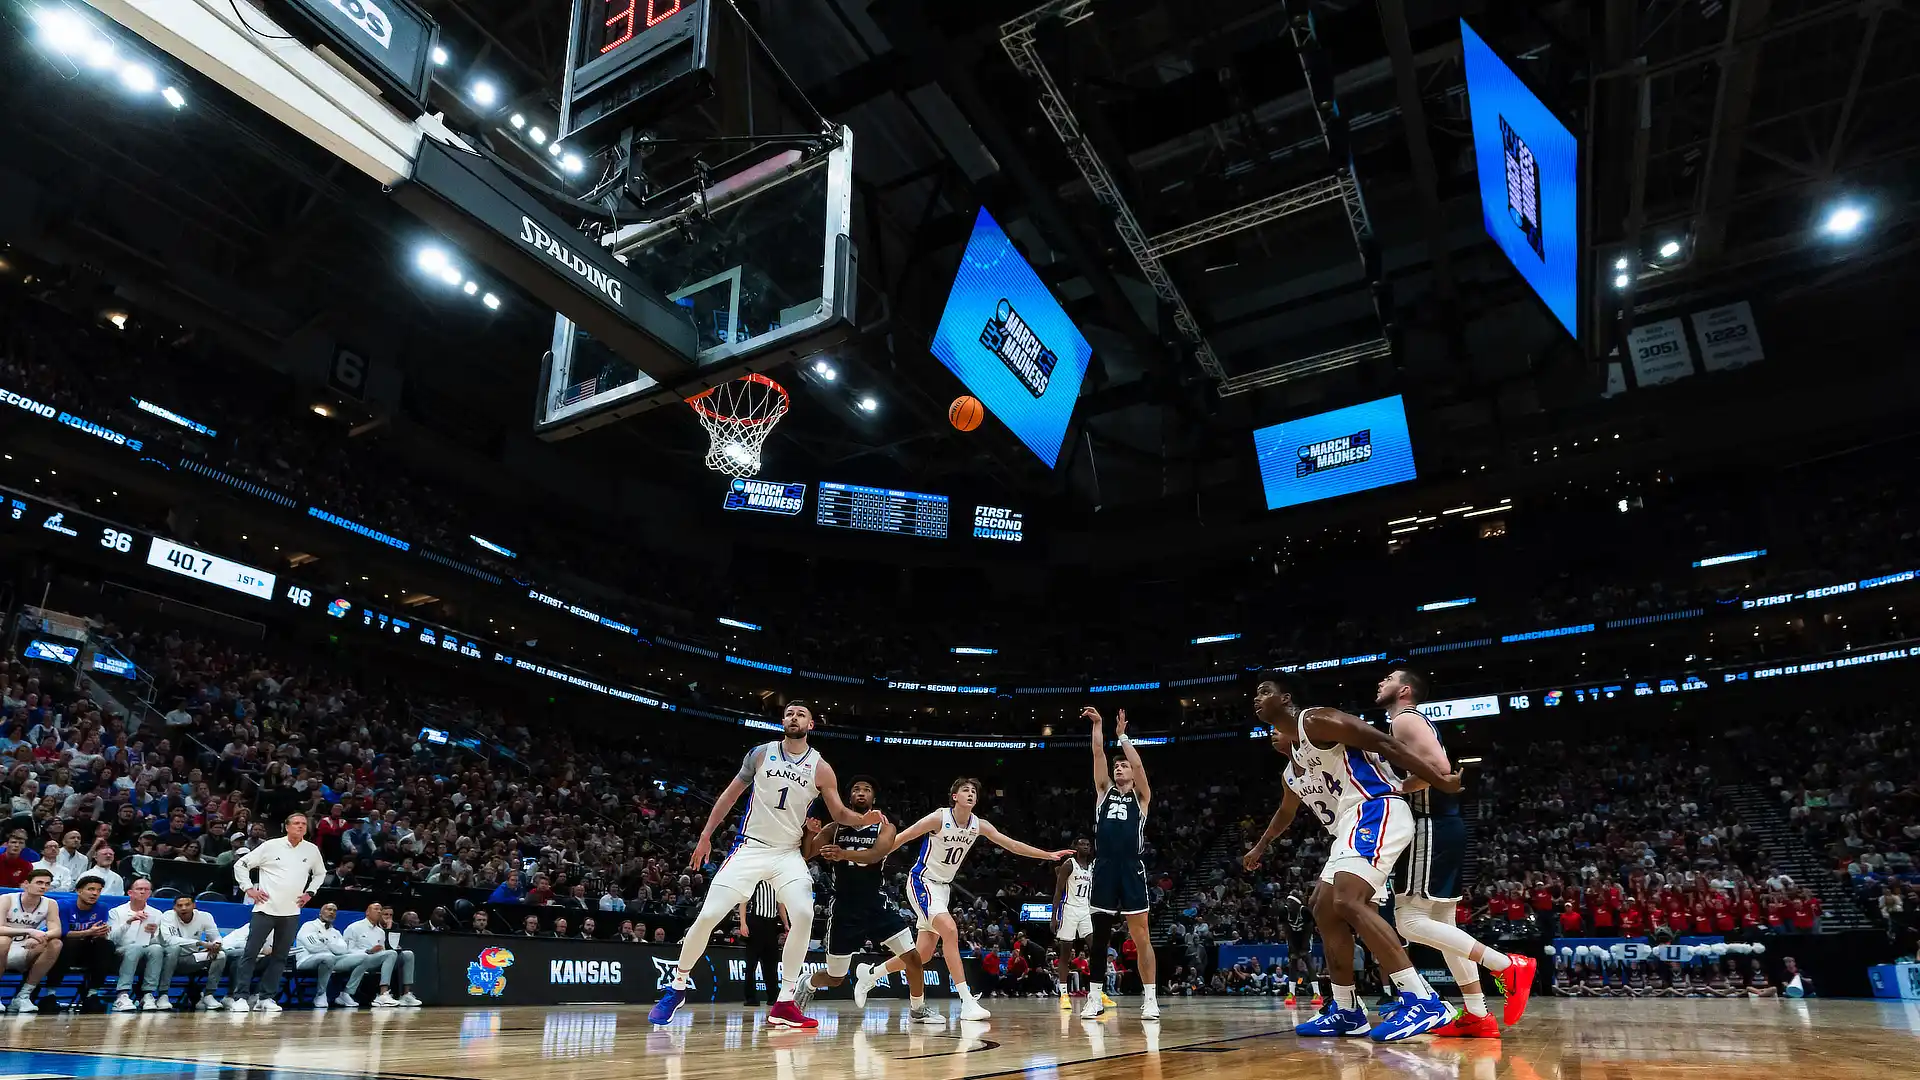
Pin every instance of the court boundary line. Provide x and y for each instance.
(1058, 1065)
(225, 1064)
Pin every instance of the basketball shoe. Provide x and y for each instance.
(786, 1014)
(1468, 1026)
(1517, 983)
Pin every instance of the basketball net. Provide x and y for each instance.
(738, 416)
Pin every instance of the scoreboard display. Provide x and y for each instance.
(882, 510)
(636, 60)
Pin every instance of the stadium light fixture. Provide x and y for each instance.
(556, 150)
(1669, 249)
(174, 98)
(440, 56)
(1620, 263)
(321, 410)
(517, 121)
(99, 53)
(869, 404)
(571, 164)
(1621, 281)
(471, 287)
(1844, 221)
(62, 29)
(139, 78)
(538, 136)
(492, 302)
(432, 260)
(484, 94)
(451, 275)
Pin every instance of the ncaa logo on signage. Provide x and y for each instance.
(369, 18)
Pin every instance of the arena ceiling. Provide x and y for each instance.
(1726, 125)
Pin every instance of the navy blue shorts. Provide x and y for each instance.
(1119, 886)
(851, 925)
(1431, 865)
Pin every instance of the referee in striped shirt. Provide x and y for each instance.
(762, 918)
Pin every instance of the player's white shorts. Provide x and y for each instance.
(1367, 841)
(752, 863)
(19, 955)
(1075, 923)
(927, 899)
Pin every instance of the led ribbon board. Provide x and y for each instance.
(1009, 340)
(1529, 166)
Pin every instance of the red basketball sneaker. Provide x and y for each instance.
(1468, 1026)
(1517, 983)
(788, 1015)
(1293, 1003)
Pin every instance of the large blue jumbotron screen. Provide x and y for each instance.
(1529, 166)
(1006, 337)
(1335, 453)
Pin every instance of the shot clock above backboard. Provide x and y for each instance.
(636, 59)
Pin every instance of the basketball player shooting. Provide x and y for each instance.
(1371, 828)
(784, 777)
(1120, 801)
(1426, 881)
(945, 838)
(859, 914)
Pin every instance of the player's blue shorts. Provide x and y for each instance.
(1431, 865)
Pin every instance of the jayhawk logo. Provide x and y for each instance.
(488, 975)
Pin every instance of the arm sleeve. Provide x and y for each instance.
(750, 764)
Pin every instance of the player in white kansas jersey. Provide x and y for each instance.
(783, 778)
(945, 838)
(1072, 913)
(1371, 828)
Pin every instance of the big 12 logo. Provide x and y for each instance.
(368, 16)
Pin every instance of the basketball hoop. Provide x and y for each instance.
(738, 416)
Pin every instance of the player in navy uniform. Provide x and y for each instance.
(1426, 880)
(1121, 800)
(859, 913)
(1371, 826)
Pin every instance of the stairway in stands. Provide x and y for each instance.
(1783, 845)
(1221, 851)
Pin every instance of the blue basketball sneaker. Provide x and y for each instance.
(1334, 1020)
(669, 1003)
(1410, 1016)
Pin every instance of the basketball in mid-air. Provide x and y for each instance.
(966, 412)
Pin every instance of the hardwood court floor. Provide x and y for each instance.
(1212, 1039)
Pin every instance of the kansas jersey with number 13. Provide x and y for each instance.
(1371, 824)
(783, 788)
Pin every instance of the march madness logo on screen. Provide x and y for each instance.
(1523, 188)
(1332, 453)
(1009, 337)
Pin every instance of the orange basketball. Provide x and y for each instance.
(966, 412)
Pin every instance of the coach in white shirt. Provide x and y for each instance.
(189, 940)
(373, 935)
(279, 877)
(321, 948)
(134, 929)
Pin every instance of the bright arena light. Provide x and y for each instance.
(555, 150)
(470, 287)
(536, 135)
(63, 29)
(1620, 263)
(99, 53)
(432, 260)
(440, 56)
(517, 121)
(1669, 249)
(572, 163)
(484, 93)
(451, 275)
(869, 404)
(1622, 281)
(139, 78)
(174, 98)
(1844, 221)
(492, 302)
